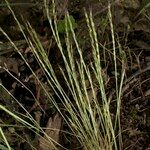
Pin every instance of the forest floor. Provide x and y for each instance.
(131, 20)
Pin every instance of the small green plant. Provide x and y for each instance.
(61, 25)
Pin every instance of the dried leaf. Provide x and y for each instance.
(147, 93)
(52, 130)
(143, 45)
(131, 4)
(10, 63)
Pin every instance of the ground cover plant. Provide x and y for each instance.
(74, 75)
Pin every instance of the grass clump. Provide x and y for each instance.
(84, 97)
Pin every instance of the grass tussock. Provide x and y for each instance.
(87, 115)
